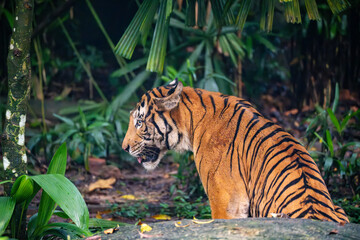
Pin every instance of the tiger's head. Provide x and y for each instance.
(152, 131)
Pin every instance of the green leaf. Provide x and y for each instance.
(129, 90)
(158, 46)
(193, 57)
(190, 13)
(70, 229)
(66, 195)
(147, 23)
(129, 67)
(22, 189)
(338, 6)
(336, 98)
(292, 11)
(105, 224)
(244, 9)
(334, 120)
(328, 163)
(65, 119)
(201, 13)
(321, 139)
(47, 204)
(267, 13)
(129, 39)
(330, 143)
(312, 10)
(7, 205)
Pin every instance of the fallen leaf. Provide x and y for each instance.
(145, 228)
(94, 238)
(161, 217)
(102, 184)
(178, 224)
(98, 215)
(342, 223)
(109, 231)
(129, 197)
(334, 231)
(279, 215)
(197, 221)
(143, 235)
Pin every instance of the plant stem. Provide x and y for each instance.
(81, 60)
(119, 59)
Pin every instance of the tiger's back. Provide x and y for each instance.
(248, 165)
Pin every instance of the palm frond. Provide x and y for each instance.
(158, 46)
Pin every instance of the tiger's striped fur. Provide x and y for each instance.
(248, 165)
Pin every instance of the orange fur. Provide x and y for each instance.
(248, 165)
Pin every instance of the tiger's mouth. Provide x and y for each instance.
(147, 158)
(149, 154)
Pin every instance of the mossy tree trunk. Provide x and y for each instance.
(19, 75)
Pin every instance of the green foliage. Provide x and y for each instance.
(223, 16)
(137, 210)
(337, 156)
(186, 208)
(56, 190)
(351, 207)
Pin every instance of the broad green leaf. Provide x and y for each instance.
(158, 46)
(334, 120)
(129, 90)
(7, 205)
(193, 57)
(65, 120)
(329, 142)
(22, 189)
(102, 223)
(68, 227)
(66, 195)
(129, 67)
(47, 204)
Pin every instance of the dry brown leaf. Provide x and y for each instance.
(98, 215)
(334, 231)
(102, 184)
(161, 217)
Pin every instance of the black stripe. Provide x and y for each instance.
(213, 104)
(232, 144)
(187, 97)
(159, 89)
(200, 143)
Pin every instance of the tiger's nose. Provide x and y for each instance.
(127, 148)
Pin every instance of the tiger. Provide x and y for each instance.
(248, 165)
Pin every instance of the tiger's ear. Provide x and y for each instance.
(173, 96)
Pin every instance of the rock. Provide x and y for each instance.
(252, 228)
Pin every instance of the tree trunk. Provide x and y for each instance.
(19, 75)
